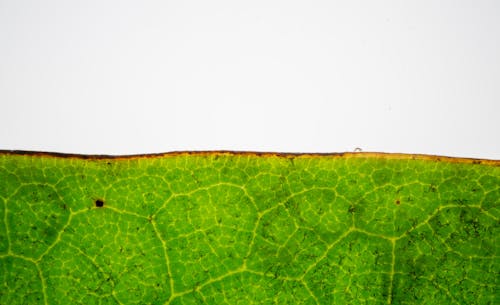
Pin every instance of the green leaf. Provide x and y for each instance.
(246, 228)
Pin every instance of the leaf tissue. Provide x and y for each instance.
(248, 228)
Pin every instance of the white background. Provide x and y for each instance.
(127, 77)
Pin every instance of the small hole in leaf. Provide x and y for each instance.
(99, 203)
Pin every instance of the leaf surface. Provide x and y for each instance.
(247, 228)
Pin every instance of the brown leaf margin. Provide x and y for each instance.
(285, 155)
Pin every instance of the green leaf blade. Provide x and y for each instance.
(210, 228)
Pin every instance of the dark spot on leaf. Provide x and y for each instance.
(398, 202)
(50, 232)
(352, 209)
(99, 203)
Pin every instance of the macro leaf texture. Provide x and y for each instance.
(248, 228)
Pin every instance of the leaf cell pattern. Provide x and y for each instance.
(224, 228)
